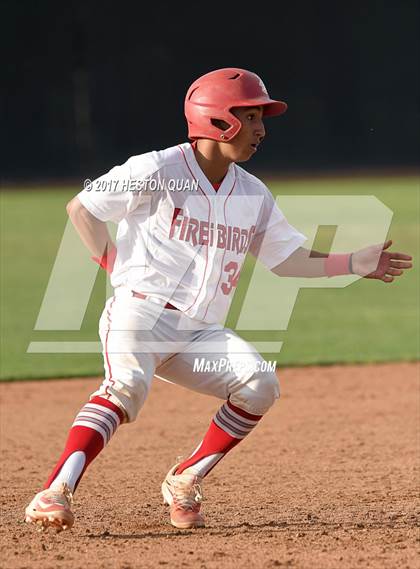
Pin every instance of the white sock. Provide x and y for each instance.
(202, 466)
(70, 471)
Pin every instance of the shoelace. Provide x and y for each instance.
(58, 496)
(187, 497)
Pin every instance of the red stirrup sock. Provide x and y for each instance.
(228, 427)
(92, 429)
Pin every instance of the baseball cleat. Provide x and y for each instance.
(182, 492)
(51, 508)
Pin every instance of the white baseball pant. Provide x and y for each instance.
(142, 339)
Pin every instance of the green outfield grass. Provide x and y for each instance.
(365, 322)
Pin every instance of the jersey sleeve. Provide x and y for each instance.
(114, 195)
(275, 239)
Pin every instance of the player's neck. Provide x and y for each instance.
(211, 160)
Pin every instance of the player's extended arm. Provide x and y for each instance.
(373, 262)
(94, 234)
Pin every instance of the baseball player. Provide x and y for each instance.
(187, 216)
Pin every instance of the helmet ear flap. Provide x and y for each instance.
(201, 123)
(233, 126)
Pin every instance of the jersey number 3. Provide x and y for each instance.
(233, 276)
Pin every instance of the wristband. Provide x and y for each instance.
(107, 260)
(338, 264)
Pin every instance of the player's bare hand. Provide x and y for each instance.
(375, 262)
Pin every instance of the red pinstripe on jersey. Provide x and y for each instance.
(224, 213)
(207, 249)
(224, 252)
(108, 363)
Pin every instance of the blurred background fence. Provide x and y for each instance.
(87, 84)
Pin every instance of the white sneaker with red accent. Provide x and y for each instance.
(51, 508)
(182, 492)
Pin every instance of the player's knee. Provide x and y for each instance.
(129, 396)
(258, 394)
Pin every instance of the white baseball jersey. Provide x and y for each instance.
(178, 238)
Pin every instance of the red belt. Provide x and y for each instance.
(144, 297)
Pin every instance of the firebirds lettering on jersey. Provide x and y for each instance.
(200, 232)
(187, 248)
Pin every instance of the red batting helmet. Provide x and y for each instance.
(213, 95)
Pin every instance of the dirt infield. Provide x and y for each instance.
(327, 480)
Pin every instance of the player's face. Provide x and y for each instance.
(246, 142)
